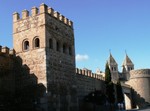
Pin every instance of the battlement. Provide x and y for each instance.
(89, 73)
(6, 50)
(42, 9)
(140, 73)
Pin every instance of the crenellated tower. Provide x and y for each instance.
(127, 66)
(44, 40)
(113, 68)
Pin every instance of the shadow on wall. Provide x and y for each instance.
(94, 101)
(19, 90)
(138, 101)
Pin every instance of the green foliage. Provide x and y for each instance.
(107, 74)
(110, 92)
(109, 85)
(120, 96)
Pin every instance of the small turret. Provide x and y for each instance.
(127, 66)
(34, 11)
(43, 8)
(25, 14)
(5, 50)
(56, 14)
(51, 11)
(113, 66)
(16, 17)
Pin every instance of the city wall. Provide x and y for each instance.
(88, 82)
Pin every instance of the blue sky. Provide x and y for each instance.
(99, 26)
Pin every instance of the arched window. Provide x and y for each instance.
(57, 46)
(64, 48)
(36, 42)
(26, 45)
(50, 43)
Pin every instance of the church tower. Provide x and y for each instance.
(127, 66)
(113, 68)
(44, 40)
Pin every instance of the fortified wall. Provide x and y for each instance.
(18, 86)
(21, 85)
(88, 82)
(7, 86)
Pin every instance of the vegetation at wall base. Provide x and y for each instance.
(120, 97)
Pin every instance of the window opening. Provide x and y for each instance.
(64, 48)
(50, 43)
(26, 45)
(70, 51)
(58, 46)
(37, 42)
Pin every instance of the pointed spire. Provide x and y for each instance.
(111, 60)
(127, 61)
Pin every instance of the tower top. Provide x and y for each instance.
(43, 8)
(111, 60)
(127, 61)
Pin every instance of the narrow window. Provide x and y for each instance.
(70, 51)
(64, 48)
(50, 43)
(37, 43)
(57, 46)
(26, 45)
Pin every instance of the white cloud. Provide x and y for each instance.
(82, 57)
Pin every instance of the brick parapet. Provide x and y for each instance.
(88, 73)
(42, 9)
(7, 51)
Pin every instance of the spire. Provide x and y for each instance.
(111, 60)
(127, 61)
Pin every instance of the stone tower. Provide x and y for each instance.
(140, 82)
(113, 68)
(44, 41)
(127, 66)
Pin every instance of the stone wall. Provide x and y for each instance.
(17, 86)
(88, 82)
(7, 80)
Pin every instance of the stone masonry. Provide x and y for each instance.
(45, 42)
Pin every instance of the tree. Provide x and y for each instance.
(110, 92)
(107, 74)
(120, 97)
(109, 85)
